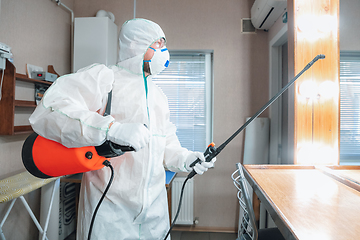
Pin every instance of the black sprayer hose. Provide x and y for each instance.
(106, 163)
(177, 213)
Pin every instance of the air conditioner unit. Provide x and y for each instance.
(264, 13)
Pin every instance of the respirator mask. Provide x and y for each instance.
(159, 61)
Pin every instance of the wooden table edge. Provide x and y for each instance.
(281, 222)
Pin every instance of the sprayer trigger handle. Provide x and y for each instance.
(207, 154)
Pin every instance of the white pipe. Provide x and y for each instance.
(134, 8)
(71, 33)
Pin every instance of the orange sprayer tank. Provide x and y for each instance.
(45, 158)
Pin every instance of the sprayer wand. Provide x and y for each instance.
(212, 152)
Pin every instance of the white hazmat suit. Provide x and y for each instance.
(71, 112)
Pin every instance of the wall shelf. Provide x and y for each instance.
(21, 103)
(8, 103)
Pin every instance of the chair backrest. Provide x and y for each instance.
(247, 227)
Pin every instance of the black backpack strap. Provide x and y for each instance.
(109, 149)
(108, 105)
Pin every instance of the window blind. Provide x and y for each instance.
(184, 83)
(350, 109)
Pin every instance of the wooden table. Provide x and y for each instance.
(308, 202)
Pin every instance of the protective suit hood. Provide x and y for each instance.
(135, 37)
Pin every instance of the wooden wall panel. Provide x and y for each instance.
(316, 128)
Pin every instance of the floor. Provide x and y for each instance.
(202, 236)
(191, 236)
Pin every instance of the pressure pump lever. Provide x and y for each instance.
(212, 152)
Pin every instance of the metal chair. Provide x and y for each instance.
(247, 228)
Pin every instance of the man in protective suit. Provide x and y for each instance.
(72, 113)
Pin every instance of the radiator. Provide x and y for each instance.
(186, 215)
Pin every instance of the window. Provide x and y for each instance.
(187, 83)
(350, 109)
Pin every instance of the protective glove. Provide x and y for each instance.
(135, 135)
(200, 167)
